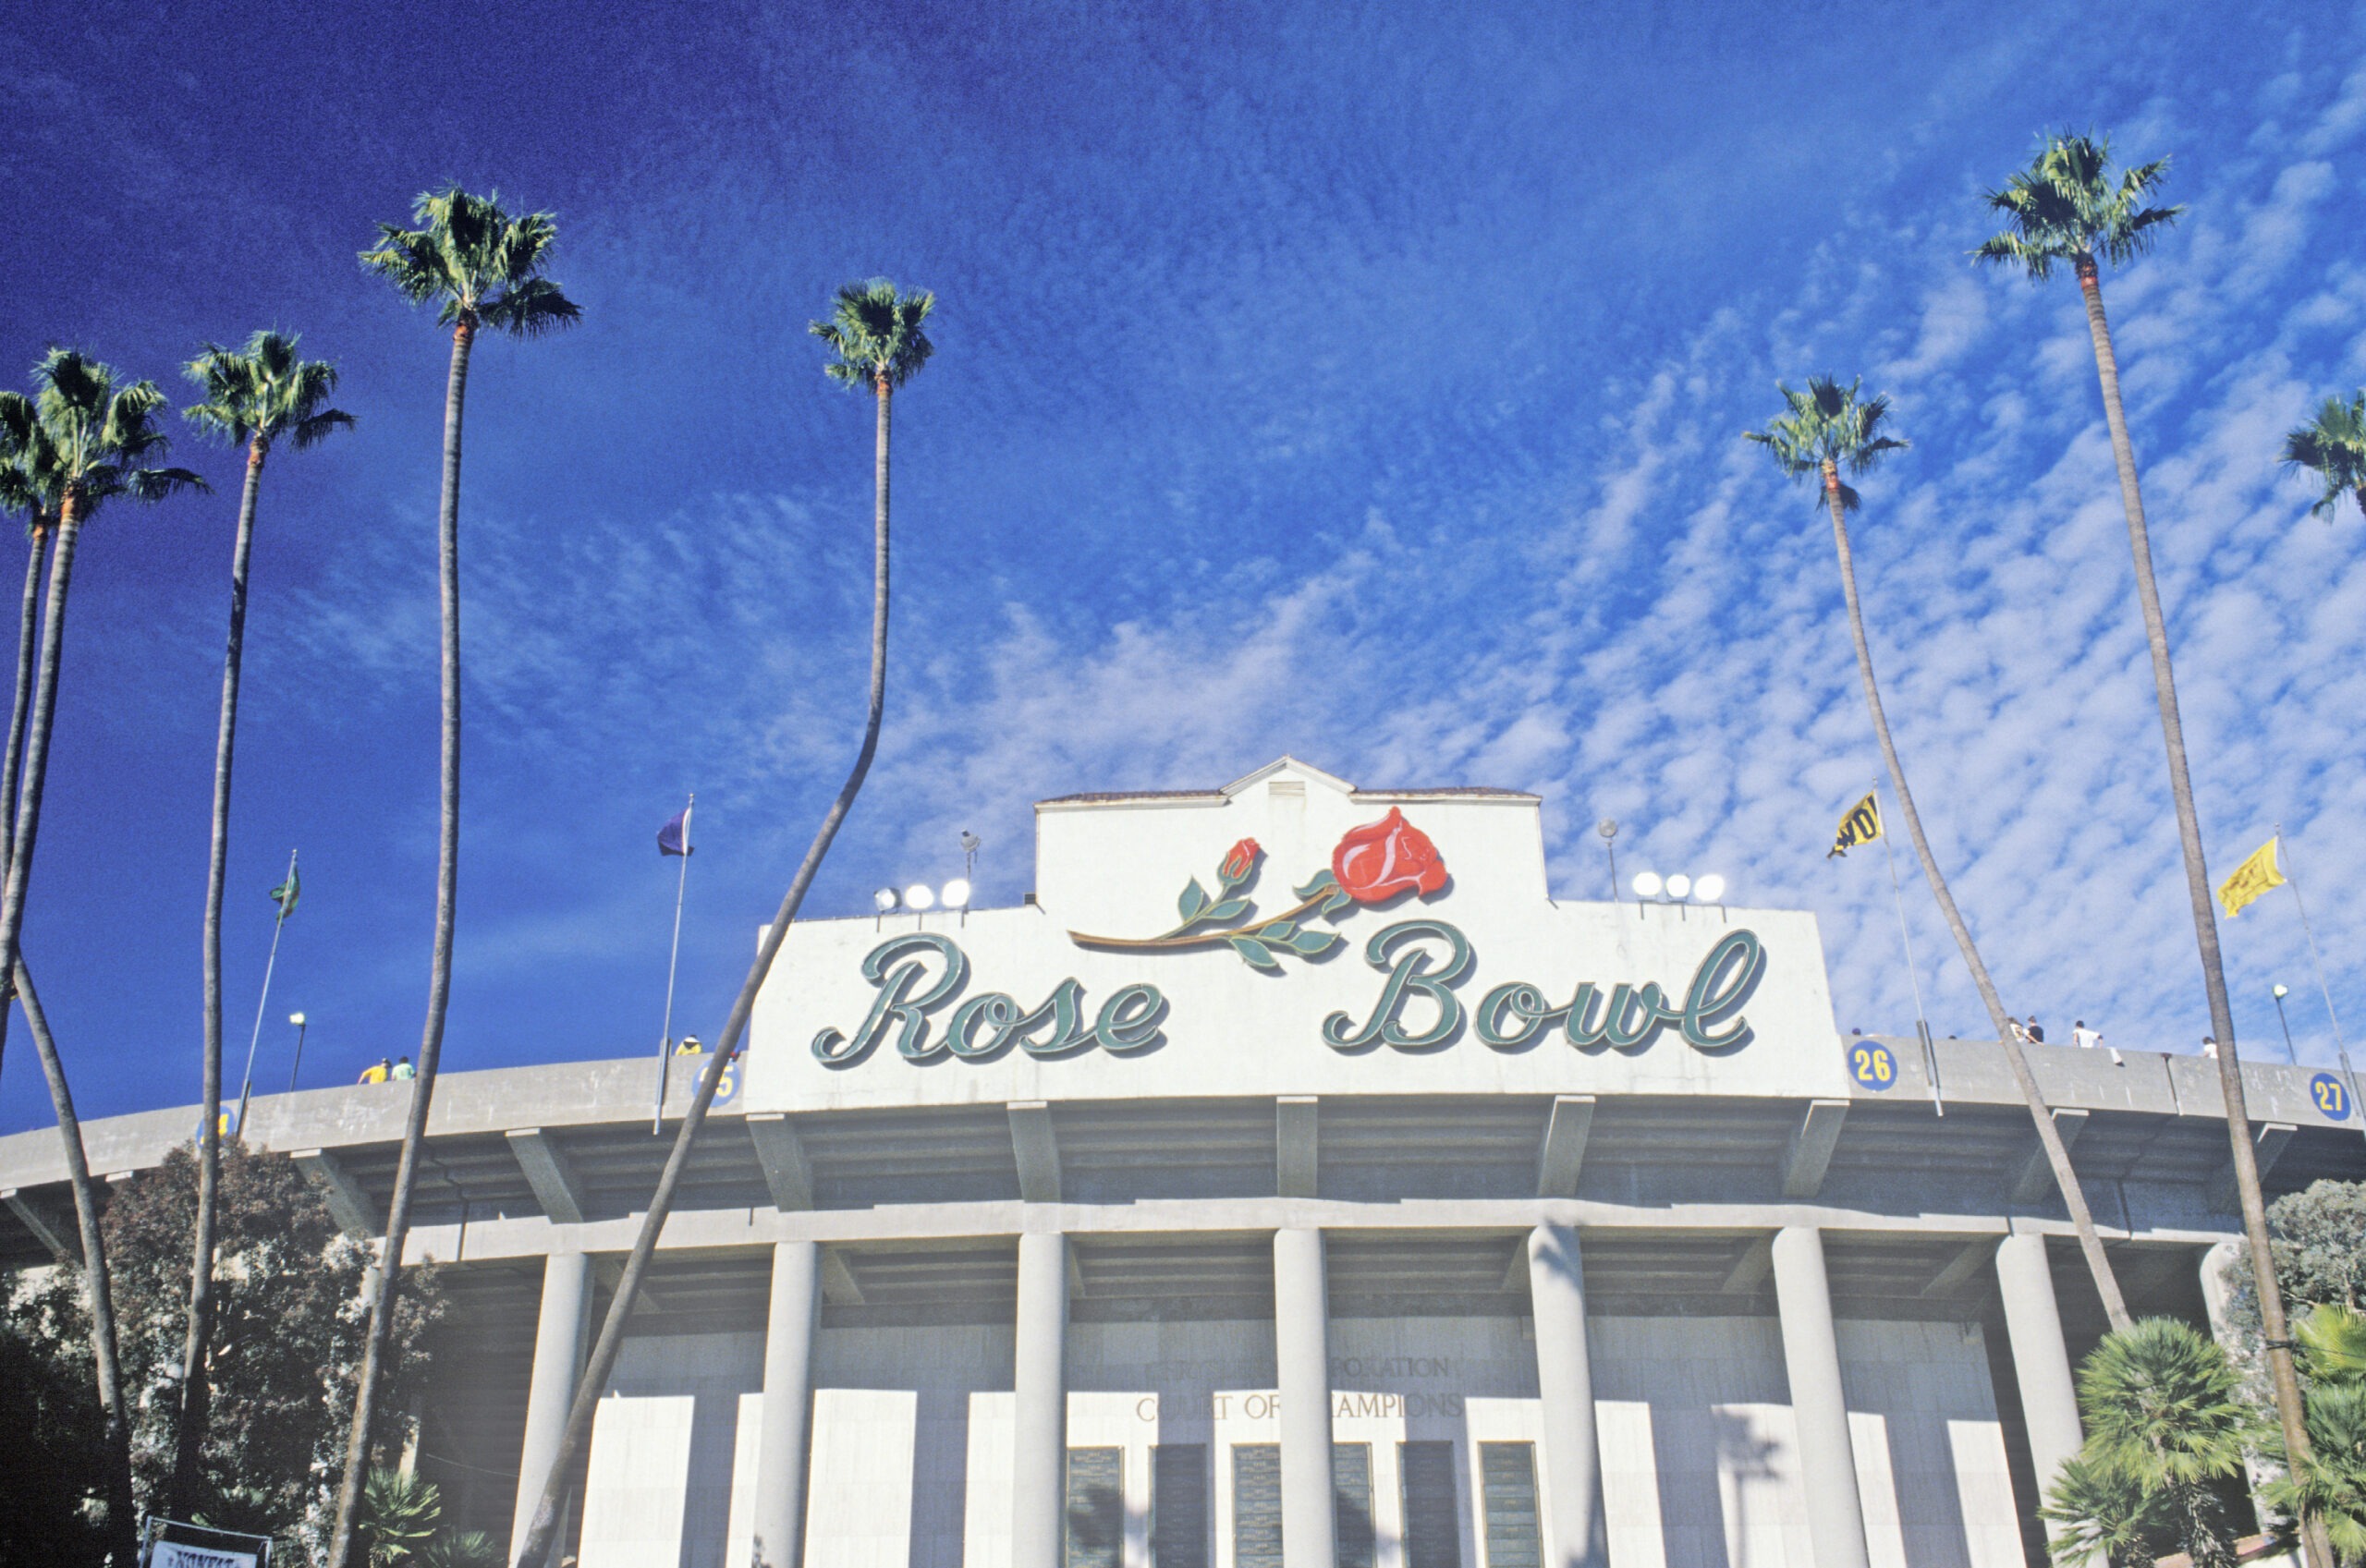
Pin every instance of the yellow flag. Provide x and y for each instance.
(1860, 826)
(2250, 879)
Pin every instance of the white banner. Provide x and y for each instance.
(174, 1554)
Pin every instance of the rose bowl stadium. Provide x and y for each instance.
(1289, 1180)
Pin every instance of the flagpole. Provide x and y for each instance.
(2340, 1046)
(247, 1079)
(666, 1040)
(1906, 936)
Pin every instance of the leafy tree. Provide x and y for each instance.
(1826, 428)
(876, 338)
(2067, 206)
(482, 266)
(57, 1449)
(282, 1358)
(258, 395)
(2163, 1415)
(2332, 446)
(96, 437)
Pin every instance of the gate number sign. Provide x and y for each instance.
(1871, 1063)
(2332, 1096)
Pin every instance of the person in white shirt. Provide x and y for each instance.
(2209, 1047)
(2087, 1040)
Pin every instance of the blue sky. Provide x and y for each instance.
(1360, 384)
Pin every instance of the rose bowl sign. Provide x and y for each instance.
(1302, 939)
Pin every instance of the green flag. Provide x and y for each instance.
(286, 893)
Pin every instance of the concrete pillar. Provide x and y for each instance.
(1039, 1432)
(782, 1460)
(2215, 1294)
(559, 1357)
(1819, 1408)
(1302, 1356)
(1564, 1382)
(2041, 1359)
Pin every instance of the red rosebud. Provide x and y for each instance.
(1383, 859)
(1239, 862)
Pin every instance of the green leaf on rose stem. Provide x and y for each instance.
(1335, 905)
(1308, 943)
(1193, 903)
(1230, 910)
(1256, 952)
(1322, 881)
(1278, 932)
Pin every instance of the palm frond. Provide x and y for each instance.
(530, 309)
(875, 333)
(155, 484)
(1828, 423)
(2333, 445)
(263, 391)
(307, 433)
(2066, 207)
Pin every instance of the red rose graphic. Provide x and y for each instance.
(1238, 862)
(1383, 859)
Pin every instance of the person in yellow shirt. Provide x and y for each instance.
(379, 1074)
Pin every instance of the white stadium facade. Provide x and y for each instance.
(1291, 1181)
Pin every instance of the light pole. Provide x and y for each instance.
(296, 1019)
(2289, 1054)
(1608, 829)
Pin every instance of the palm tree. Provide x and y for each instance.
(2098, 1511)
(28, 489)
(483, 268)
(93, 437)
(255, 394)
(2164, 1413)
(1829, 426)
(2334, 446)
(875, 334)
(2066, 206)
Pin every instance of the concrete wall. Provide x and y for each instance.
(912, 1436)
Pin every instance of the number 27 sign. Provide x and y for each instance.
(2331, 1094)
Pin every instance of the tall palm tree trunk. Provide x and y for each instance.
(2205, 919)
(123, 1526)
(388, 1275)
(11, 764)
(2057, 1153)
(543, 1534)
(189, 1426)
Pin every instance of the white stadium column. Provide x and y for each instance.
(1302, 1357)
(782, 1462)
(1564, 1386)
(558, 1356)
(1039, 1437)
(2041, 1359)
(1819, 1407)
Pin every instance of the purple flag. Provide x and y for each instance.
(669, 837)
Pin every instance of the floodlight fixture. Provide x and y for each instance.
(1647, 884)
(1710, 889)
(883, 900)
(1680, 886)
(296, 1019)
(2281, 993)
(920, 896)
(956, 893)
